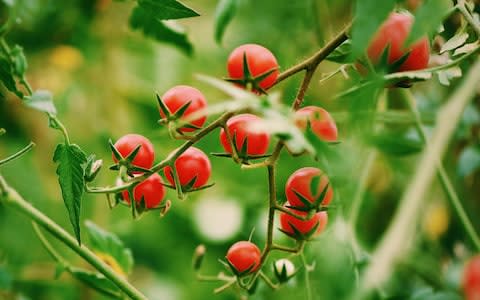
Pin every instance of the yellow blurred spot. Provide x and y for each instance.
(102, 5)
(436, 220)
(112, 263)
(66, 58)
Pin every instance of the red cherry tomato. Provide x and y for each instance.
(394, 32)
(243, 256)
(259, 60)
(321, 123)
(300, 181)
(471, 279)
(190, 164)
(241, 127)
(178, 96)
(151, 190)
(145, 156)
(287, 222)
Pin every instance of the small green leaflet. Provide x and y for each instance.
(157, 29)
(19, 61)
(71, 162)
(224, 13)
(6, 76)
(109, 244)
(96, 281)
(428, 18)
(167, 9)
(369, 15)
(342, 54)
(41, 100)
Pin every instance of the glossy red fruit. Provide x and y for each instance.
(243, 256)
(287, 222)
(471, 279)
(394, 32)
(151, 190)
(301, 182)
(145, 156)
(321, 122)
(190, 164)
(179, 96)
(259, 59)
(243, 127)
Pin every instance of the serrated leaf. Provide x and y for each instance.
(96, 281)
(107, 243)
(369, 15)
(71, 162)
(167, 9)
(224, 13)
(19, 61)
(41, 100)
(159, 30)
(455, 42)
(6, 76)
(342, 54)
(469, 161)
(428, 18)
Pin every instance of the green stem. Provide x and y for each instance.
(307, 277)
(59, 125)
(11, 198)
(18, 154)
(443, 176)
(400, 233)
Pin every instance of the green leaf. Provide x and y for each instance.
(107, 243)
(41, 100)
(342, 54)
(161, 31)
(167, 9)
(6, 76)
(224, 13)
(469, 161)
(369, 15)
(428, 18)
(96, 281)
(455, 42)
(395, 143)
(71, 162)
(19, 61)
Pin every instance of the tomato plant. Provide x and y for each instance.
(471, 279)
(245, 130)
(127, 144)
(244, 257)
(303, 229)
(151, 190)
(193, 168)
(308, 185)
(320, 121)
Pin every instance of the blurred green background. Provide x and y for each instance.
(104, 77)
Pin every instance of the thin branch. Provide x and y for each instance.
(18, 154)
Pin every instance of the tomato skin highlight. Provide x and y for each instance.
(300, 181)
(303, 226)
(193, 162)
(145, 156)
(151, 189)
(243, 255)
(321, 122)
(471, 279)
(259, 60)
(178, 96)
(239, 126)
(394, 32)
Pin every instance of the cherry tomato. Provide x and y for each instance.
(287, 222)
(178, 96)
(190, 164)
(300, 181)
(151, 190)
(259, 60)
(145, 156)
(394, 32)
(243, 256)
(241, 127)
(471, 279)
(321, 123)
